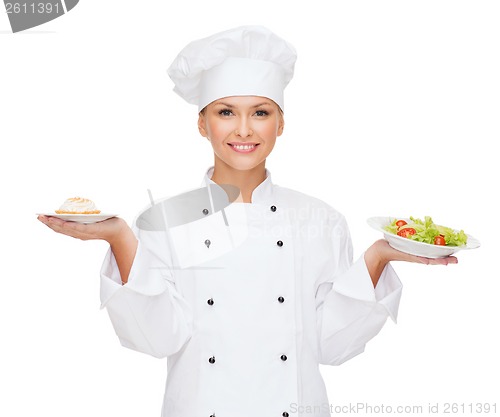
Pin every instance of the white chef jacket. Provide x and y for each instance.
(244, 332)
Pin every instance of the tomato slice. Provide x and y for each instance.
(406, 232)
(439, 240)
(400, 223)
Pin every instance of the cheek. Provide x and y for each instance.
(270, 130)
(219, 131)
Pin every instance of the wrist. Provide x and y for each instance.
(120, 233)
(123, 244)
(376, 260)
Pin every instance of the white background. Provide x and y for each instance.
(394, 110)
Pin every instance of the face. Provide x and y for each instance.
(242, 130)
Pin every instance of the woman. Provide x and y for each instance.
(245, 298)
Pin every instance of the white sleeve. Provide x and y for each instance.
(148, 313)
(350, 311)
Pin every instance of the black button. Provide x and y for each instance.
(205, 211)
(210, 302)
(279, 243)
(212, 415)
(273, 208)
(212, 359)
(281, 299)
(285, 414)
(283, 357)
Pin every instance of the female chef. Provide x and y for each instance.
(245, 297)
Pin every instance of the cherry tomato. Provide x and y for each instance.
(400, 223)
(439, 240)
(406, 232)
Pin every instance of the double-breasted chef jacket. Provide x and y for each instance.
(244, 331)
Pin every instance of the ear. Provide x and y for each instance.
(202, 125)
(281, 126)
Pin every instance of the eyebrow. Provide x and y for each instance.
(231, 106)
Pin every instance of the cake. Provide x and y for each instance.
(78, 205)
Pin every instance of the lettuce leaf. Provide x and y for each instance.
(426, 231)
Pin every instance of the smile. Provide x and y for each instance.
(244, 147)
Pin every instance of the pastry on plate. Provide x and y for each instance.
(78, 205)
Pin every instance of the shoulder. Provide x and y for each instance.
(307, 205)
(294, 198)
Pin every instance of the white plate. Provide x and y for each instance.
(81, 218)
(417, 248)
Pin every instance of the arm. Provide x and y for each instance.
(353, 303)
(124, 248)
(148, 314)
(350, 310)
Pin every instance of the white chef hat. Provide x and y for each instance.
(244, 61)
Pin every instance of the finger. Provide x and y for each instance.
(418, 259)
(47, 221)
(406, 257)
(75, 229)
(72, 229)
(436, 261)
(43, 218)
(443, 261)
(58, 226)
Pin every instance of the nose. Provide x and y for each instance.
(244, 128)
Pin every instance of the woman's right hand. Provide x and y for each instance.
(109, 230)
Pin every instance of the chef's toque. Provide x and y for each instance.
(244, 61)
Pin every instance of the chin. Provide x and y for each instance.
(243, 166)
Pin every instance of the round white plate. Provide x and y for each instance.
(81, 218)
(417, 248)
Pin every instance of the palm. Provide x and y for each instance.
(104, 230)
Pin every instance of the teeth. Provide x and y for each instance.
(244, 147)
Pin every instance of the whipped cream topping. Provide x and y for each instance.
(78, 205)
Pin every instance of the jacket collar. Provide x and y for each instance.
(262, 194)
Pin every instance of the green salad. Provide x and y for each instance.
(427, 231)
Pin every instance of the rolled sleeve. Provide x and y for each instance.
(357, 284)
(148, 313)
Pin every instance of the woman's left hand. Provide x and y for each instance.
(378, 255)
(387, 254)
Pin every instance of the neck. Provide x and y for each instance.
(246, 180)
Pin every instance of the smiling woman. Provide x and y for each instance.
(244, 297)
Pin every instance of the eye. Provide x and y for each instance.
(261, 113)
(225, 112)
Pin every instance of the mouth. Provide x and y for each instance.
(243, 147)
